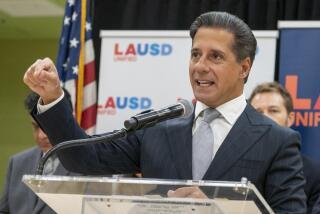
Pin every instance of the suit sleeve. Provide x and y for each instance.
(122, 156)
(285, 181)
(4, 200)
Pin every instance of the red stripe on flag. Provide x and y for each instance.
(89, 73)
(89, 117)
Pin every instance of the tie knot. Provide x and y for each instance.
(210, 114)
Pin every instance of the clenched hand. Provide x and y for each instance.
(42, 78)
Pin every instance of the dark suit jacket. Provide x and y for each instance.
(316, 207)
(17, 198)
(256, 148)
(311, 170)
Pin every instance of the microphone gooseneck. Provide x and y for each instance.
(80, 142)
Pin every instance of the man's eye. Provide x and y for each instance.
(195, 54)
(273, 110)
(216, 56)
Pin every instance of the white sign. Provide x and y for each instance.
(140, 70)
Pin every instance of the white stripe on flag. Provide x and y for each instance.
(89, 54)
(89, 94)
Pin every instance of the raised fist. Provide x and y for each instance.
(42, 78)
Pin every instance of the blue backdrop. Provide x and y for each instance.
(299, 71)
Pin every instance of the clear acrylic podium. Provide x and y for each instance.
(102, 195)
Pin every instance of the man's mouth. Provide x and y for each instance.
(204, 83)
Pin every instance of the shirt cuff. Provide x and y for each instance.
(42, 108)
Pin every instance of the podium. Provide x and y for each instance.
(119, 195)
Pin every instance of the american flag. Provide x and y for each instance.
(75, 62)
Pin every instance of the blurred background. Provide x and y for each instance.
(29, 29)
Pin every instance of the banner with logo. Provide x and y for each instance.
(300, 73)
(140, 70)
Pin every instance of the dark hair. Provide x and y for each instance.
(32, 99)
(276, 88)
(245, 43)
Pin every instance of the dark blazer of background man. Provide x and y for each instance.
(274, 101)
(17, 198)
(252, 146)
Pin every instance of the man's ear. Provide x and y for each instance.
(246, 66)
(290, 120)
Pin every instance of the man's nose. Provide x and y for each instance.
(202, 64)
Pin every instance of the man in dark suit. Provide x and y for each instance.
(244, 143)
(274, 101)
(17, 197)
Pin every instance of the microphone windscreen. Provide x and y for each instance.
(187, 106)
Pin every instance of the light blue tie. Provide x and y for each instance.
(202, 144)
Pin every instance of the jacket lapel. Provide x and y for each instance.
(242, 136)
(179, 133)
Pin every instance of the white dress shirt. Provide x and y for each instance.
(221, 126)
(42, 108)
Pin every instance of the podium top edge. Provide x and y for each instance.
(127, 180)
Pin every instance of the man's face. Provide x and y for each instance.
(272, 105)
(215, 75)
(40, 137)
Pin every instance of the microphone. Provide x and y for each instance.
(151, 117)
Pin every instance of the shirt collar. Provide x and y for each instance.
(230, 110)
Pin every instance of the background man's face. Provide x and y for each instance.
(272, 105)
(215, 75)
(40, 137)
